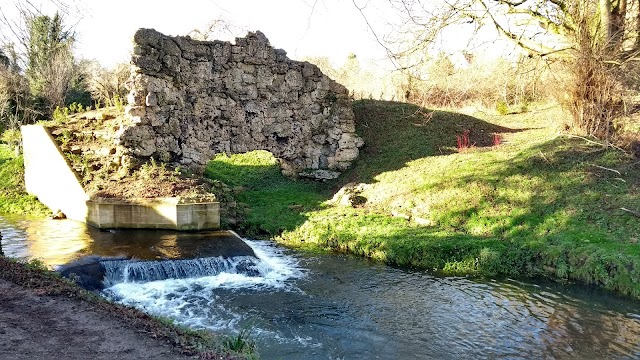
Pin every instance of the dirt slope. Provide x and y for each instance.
(35, 327)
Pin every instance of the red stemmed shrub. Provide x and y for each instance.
(463, 141)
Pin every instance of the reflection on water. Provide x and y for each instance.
(328, 307)
(57, 242)
(54, 242)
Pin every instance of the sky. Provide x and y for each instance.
(331, 28)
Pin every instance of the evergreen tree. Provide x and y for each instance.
(49, 60)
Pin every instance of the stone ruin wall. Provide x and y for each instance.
(190, 100)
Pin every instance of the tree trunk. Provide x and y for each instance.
(612, 19)
(617, 23)
(605, 18)
(636, 9)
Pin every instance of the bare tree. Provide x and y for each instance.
(105, 85)
(57, 73)
(37, 58)
(15, 100)
(540, 27)
(597, 40)
(218, 29)
(16, 14)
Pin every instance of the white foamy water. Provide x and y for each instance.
(192, 300)
(127, 271)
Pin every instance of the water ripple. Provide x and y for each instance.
(327, 307)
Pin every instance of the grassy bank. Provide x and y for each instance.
(537, 204)
(13, 197)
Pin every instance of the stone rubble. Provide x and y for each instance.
(190, 100)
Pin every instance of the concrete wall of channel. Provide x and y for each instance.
(49, 177)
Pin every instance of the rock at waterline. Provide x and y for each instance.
(90, 272)
(87, 272)
(58, 215)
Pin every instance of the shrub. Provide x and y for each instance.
(16, 104)
(502, 108)
(463, 141)
(107, 86)
(597, 95)
(60, 115)
(501, 85)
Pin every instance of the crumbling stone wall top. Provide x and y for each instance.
(190, 100)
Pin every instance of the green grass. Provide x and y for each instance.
(275, 203)
(539, 204)
(13, 197)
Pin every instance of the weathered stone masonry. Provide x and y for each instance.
(192, 99)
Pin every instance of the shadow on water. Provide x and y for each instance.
(323, 306)
(165, 244)
(351, 308)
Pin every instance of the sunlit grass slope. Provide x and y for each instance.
(536, 204)
(13, 197)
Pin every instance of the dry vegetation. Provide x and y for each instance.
(491, 85)
(86, 139)
(601, 97)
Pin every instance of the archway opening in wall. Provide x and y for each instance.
(257, 198)
(249, 169)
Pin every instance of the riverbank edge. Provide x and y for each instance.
(586, 243)
(35, 276)
(585, 265)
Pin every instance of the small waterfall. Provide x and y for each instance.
(130, 271)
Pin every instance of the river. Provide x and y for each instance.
(298, 305)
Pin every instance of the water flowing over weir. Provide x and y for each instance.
(313, 306)
(117, 271)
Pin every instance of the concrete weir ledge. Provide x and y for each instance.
(49, 177)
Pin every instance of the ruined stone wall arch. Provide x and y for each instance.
(192, 99)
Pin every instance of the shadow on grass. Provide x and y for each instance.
(564, 190)
(267, 202)
(553, 211)
(394, 134)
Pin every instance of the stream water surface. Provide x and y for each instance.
(308, 306)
